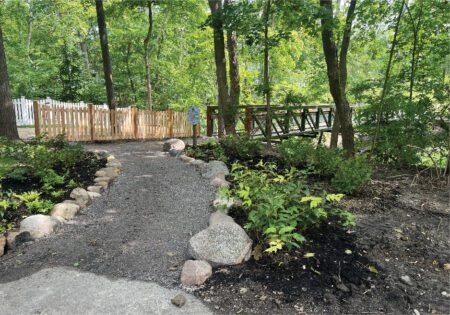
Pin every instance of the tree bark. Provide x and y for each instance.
(221, 67)
(235, 88)
(267, 90)
(334, 77)
(416, 29)
(147, 57)
(8, 126)
(107, 69)
(343, 68)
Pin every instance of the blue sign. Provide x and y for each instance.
(194, 115)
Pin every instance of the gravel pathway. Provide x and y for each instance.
(138, 230)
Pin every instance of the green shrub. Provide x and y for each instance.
(279, 206)
(326, 161)
(352, 174)
(241, 148)
(209, 150)
(34, 203)
(296, 151)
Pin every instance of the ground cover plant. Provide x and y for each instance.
(35, 175)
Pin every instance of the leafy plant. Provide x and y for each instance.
(241, 148)
(352, 174)
(296, 151)
(33, 202)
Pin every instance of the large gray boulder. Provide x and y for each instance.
(81, 196)
(2, 244)
(215, 169)
(66, 211)
(225, 243)
(220, 217)
(195, 272)
(39, 225)
(112, 172)
(173, 145)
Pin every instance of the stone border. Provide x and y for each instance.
(36, 226)
(223, 242)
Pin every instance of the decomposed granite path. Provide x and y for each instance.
(124, 253)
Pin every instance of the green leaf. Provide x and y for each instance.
(309, 255)
(372, 269)
(286, 229)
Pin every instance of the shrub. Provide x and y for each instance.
(352, 174)
(279, 206)
(326, 161)
(209, 150)
(296, 151)
(241, 148)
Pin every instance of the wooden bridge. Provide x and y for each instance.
(304, 120)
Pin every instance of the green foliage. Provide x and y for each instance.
(352, 174)
(296, 151)
(241, 148)
(208, 150)
(279, 206)
(34, 203)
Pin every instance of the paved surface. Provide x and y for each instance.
(138, 231)
(65, 291)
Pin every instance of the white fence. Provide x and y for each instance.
(24, 108)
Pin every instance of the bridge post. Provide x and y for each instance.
(209, 121)
(248, 121)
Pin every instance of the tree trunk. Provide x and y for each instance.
(8, 127)
(130, 75)
(235, 88)
(221, 67)
(343, 68)
(267, 90)
(107, 69)
(147, 57)
(334, 78)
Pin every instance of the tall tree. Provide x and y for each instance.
(336, 65)
(8, 127)
(107, 68)
(148, 84)
(221, 67)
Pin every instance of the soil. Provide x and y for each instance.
(402, 229)
(82, 172)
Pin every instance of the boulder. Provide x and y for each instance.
(220, 217)
(173, 144)
(198, 163)
(16, 238)
(110, 158)
(186, 159)
(70, 201)
(96, 189)
(103, 179)
(114, 163)
(112, 172)
(93, 195)
(104, 185)
(218, 182)
(39, 225)
(2, 244)
(81, 197)
(100, 174)
(175, 153)
(66, 211)
(221, 244)
(215, 169)
(195, 272)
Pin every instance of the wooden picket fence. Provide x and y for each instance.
(91, 123)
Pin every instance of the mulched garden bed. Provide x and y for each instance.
(82, 172)
(402, 230)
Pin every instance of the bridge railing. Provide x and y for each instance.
(293, 120)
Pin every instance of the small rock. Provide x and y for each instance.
(70, 201)
(215, 169)
(39, 225)
(195, 272)
(224, 203)
(342, 287)
(112, 172)
(198, 163)
(446, 266)
(100, 174)
(243, 290)
(65, 210)
(179, 300)
(186, 159)
(104, 185)
(17, 238)
(110, 158)
(173, 144)
(2, 244)
(81, 197)
(114, 163)
(219, 217)
(175, 152)
(93, 195)
(103, 179)
(406, 280)
(218, 182)
(96, 189)
(416, 312)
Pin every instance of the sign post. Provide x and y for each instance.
(194, 120)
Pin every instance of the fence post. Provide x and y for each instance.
(91, 121)
(248, 121)
(37, 126)
(171, 114)
(134, 120)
